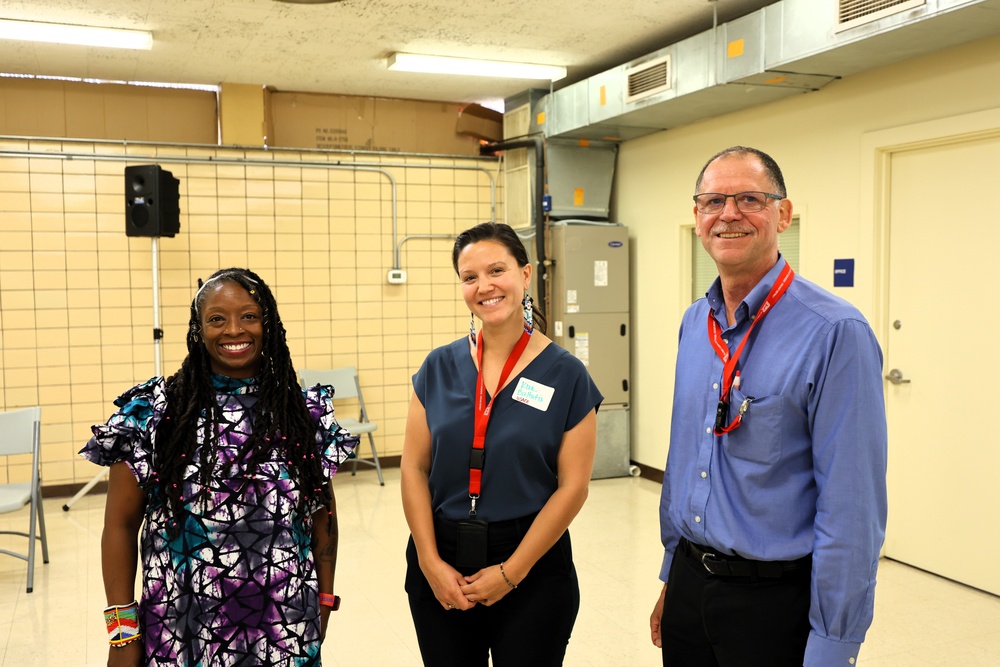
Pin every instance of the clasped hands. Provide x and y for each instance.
(486, 587)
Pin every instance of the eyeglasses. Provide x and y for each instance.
(746, 202)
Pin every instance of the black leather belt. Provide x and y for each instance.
(724, 565)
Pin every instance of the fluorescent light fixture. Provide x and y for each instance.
(59, 33)
(412, 62)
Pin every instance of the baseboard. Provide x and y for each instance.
(69, 490)
(649, 472)
(383, 461)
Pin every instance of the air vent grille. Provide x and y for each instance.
(857, 12)
(517, 122)
(648, 79)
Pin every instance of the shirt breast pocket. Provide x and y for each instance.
(758, 439)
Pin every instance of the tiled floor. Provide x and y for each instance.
(920, 619)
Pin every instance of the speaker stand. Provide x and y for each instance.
(157, 338)
(157, 331)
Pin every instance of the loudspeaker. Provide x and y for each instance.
(152, 201)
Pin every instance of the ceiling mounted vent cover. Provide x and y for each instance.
(647, 79)
(853, 13)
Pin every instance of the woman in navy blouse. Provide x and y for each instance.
(497, 458)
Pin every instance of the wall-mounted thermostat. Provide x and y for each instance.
(397, 276)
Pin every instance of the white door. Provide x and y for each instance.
(943, 410)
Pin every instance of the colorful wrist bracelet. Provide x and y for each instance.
(330, 600)
(122, 622)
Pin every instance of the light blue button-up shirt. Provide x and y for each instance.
(805, 472)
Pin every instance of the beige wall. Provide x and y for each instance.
(817, 140)
(76, 295)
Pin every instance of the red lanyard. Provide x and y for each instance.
(483, 411)
(731, 376)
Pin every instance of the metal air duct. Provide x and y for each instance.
(784, 49)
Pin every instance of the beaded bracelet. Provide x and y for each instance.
(509, 582)
(122, 622)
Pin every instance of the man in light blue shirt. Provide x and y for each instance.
(773, 507)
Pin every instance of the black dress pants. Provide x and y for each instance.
(529, 627)
(725, 621)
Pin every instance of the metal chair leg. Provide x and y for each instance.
(378, 466)
(31, 538)
(41, 530)
(374, 462)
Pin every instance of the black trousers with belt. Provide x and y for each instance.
(727, 611)
(530, 626)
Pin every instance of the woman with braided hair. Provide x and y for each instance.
(226, 466)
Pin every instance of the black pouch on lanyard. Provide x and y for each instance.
(470, 544)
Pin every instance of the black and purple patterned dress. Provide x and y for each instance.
(237, 586)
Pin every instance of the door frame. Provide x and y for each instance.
(877, 150)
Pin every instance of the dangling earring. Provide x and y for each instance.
(472, 328)
(529, 320)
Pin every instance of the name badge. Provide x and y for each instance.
(533, 393)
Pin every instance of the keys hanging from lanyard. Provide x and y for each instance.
(722, 411)
(483, 411)
(731, 376)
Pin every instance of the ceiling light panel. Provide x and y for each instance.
(412, 62)
(59, 33)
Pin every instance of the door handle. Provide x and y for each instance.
(895, 376)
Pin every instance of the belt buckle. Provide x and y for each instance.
(704, 555)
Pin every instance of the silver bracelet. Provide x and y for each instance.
(509, 582)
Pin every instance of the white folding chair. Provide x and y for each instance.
(346, 386)
(20, 434)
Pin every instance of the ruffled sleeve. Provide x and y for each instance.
(127, 435)
(335, 444)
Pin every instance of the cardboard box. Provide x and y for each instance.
(342, 122)
(242, 115)
(477, 121)
(75, 109)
